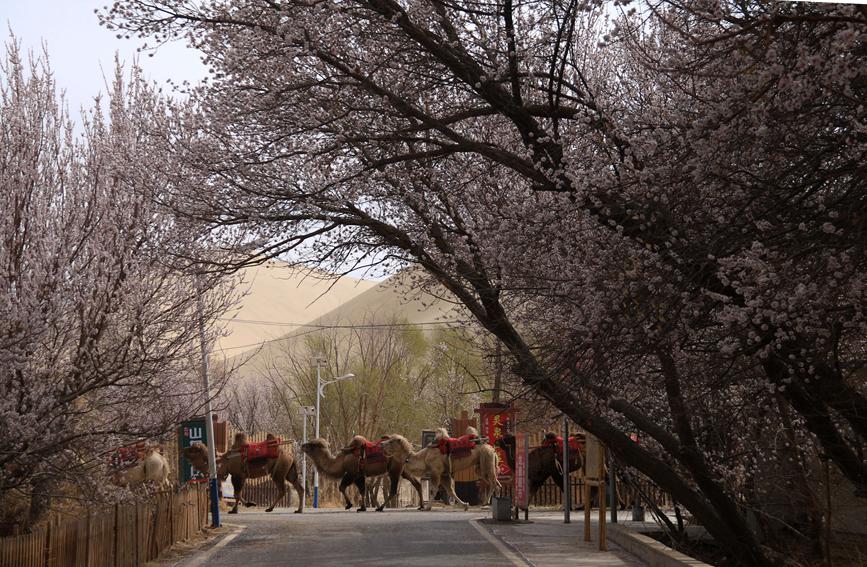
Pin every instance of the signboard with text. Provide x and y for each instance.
(496, 420)
(189, 432)
(522, 493)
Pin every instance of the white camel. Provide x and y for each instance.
(154, 467)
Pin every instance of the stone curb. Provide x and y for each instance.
(200, 555)
(649, 550)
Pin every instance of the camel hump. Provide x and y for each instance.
(240, 439)
(357, 442)
(154, 451)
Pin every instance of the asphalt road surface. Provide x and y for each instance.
(441, 538)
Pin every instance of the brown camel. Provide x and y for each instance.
(358, 461)
(441, 467)
(544, 462)
(281, 469)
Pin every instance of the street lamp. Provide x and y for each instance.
(320, 387)
(307, 411)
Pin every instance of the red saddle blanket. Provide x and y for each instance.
(576, 446)
(126, 457)
(458, 447)
(370, 454)
(269, 449)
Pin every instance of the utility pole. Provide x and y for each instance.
(319, 361)
(307, 411)
(498, 371)
(567, 498)
(209, 418)
(320, 386)
(612, 486)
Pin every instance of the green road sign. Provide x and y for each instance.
(189, 432)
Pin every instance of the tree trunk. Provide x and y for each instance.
(40, 500)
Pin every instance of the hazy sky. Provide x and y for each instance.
(80, 49)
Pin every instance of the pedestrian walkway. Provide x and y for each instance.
(545, 541)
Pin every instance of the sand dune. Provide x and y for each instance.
(395, 298)
(278, 299)
(381, 303)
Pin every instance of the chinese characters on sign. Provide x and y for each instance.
(521, 490)
(192, 431)
(496, 420)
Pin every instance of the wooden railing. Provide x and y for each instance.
(125, 535)
(550, 494)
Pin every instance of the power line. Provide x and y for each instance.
(266, 341)
(313, 328)
(359, 326)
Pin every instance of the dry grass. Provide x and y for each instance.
(849, 550)
(182, 549)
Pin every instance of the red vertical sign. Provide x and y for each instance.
(522, 493)
(496, 420)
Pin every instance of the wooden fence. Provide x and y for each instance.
(551, 494)
(125, 535)
(262, 491)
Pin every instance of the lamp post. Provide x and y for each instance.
(320, 386)
(307, 411)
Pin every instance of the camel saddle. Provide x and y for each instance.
(576, 446)
(126, 457)
(458, 447)
(370, 454)
(261, 451)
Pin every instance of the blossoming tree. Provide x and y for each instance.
(98, 322)
(661, 217)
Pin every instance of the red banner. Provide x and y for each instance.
(522, 493)
(495, 421)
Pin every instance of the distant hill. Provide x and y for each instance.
(382, 302)
(395, 298)
(278, 299)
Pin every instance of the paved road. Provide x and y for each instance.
(331, 538)
(402, 538)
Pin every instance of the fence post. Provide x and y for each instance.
(47, 558)
(171, 519)
(116, 520)
(87, 541)
(137, 535)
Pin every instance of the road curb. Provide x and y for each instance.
(515, 557)
(203, 556)
(649, 550)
